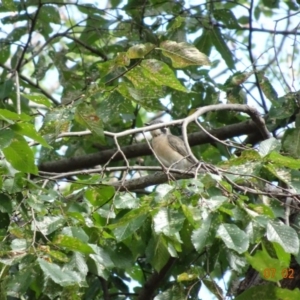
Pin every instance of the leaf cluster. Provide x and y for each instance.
(83, 215)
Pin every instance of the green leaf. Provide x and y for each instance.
(6, 137)
(168, 221)
(73, 244)
(58, 255)
(204, 235)
(213, 287)
(237, 79)
(130, 217)
(204, 43)
(115, 108)
(76, 232)
(268, 291)
(147, 97)
(140, 50)
(6, 204)
(121, 60)
(124, 231)
(101, 256)
(174, 293)
(236, 95)
(4, 223)
(271, 3)
(175, 23)
(126, 200)
(246, 164)
(38, 98)
(283, 256)
(29, 130)
(183, 54)
(49, 14)
(214, 202)
(192, 215)
(48, 225)
(4, 53)
(78, 264)
(21, 281)
(159, 73)
(266, 146)
(291, 142)
(6, 89)
(99, 196)
(295, 183)
(55, 122)
(221, 46)
(269, 268)
(227, 17)
(21, 157)
(86, 116)
(283, 108)
(267, 88)
(262, 209)
(257, 12)
(284, 235)
(60, 276)
(157, 252)
(121, 256)
(9, 4)
(283, 161)
(237, 262)
(10, 116)
(16, 35)
(100, 262)
(233, 237)
(243, 20)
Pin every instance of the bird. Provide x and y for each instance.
(169, 148)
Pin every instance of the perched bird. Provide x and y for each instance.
(170, 149)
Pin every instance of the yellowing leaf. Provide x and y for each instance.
(183, 54)
(86, 116)
(139, 51)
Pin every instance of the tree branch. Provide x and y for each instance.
(146, 181)
(197, 138)
(252, 112)
(36, 85)
(263, 102)
(155, 279)
(33, 22)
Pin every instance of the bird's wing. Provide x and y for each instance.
(177, 144)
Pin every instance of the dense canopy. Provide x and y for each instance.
(86, 209)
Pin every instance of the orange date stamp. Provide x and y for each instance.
(286, 273)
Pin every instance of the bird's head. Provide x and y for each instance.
(159, 131)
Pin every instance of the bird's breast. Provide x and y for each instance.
(165, 153)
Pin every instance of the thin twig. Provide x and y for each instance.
(18, 93)
(277, 60)
(33, 84)
(33, 22)
(252, 112)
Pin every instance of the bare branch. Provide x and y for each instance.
(264, 105)
(251, 111)
(197, 138)
(33, 22)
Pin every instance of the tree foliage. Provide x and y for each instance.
(86, 212)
